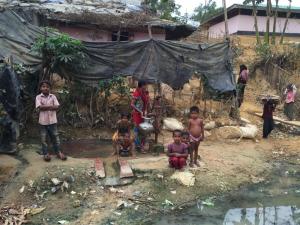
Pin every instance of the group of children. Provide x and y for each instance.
(185, 143)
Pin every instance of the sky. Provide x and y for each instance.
(189, 5)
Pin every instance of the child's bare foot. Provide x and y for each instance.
(191, 165)
(47, 158)
(197, 164)
(61, 156)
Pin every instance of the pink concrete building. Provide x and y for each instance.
(241, 22)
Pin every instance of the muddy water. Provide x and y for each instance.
(276, 201)
(88, 148)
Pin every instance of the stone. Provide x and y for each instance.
(99, 168)
(185, 178)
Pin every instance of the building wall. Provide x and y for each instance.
(87, 34)
(93, 35)
(246, 23)
(138, 36)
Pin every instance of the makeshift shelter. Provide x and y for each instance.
(100, 20)
(170, 62)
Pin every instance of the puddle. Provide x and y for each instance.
(88, 148)
(274, 202)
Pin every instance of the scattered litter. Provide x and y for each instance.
(65, 186)
(173, 192)
(136, 207)
(63, 222)
(208, 202)
(186, 178)
(22, 189)
(13, 212)
(34, 211)
(256, 180)
(113, 190)
(54, 189)
(118, 213)
(55, 181)
(137, 194)
(92, 191)
(167, 203)
(297, 191)
(150, 199)
(160, 176)
(73, 192)
(30, 183)
(120, 204)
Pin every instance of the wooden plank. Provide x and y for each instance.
(125, 169)
(99, 168)
(280, 120)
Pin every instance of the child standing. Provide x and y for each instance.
(196, 130)
(267, 116)
(177, 151)
(47, 105)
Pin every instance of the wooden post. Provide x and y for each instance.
(226, 20)
(149, 31)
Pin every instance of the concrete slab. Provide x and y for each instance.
(159, 163)
(99, 168)
(125, 169)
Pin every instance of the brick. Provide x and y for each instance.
(99, 168)
(125, 169)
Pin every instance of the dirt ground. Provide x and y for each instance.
(82, 198)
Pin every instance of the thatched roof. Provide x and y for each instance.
(102, 13)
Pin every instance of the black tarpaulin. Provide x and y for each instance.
(154, 60)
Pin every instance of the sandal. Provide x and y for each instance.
(47, 158)
(61, 156)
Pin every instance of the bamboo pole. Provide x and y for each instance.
(226, 20)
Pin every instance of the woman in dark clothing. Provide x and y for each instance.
(241, 84)
(269, 108)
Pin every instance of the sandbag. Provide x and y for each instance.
(228, 132)
(172, 124)
(210, 125)
(249, 131)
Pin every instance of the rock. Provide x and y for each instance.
(55, 181)
(228, 132)
(22, 189)
(185, 178)
(76, 203)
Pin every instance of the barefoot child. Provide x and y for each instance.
(177, 151)
(123, 126)
(196, 130)
(125, 145)
(185, 138)
(47, 105)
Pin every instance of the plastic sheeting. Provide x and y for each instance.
(153, 60)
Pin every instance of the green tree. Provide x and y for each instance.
(166, 9)
(206, 11)
(288, 14)
(255, 3)
(59, 50)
